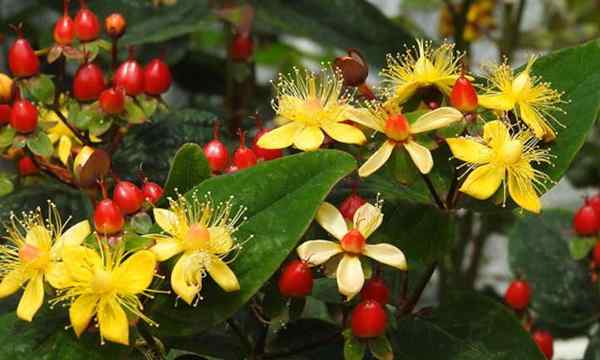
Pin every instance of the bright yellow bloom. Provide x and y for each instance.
(202, 232)
(307, 104)
(33, 254)
(352, 244)
(418, 68)
(401, 133)
(498, 156)
(59, 133)
(533, 101)
(105, 283)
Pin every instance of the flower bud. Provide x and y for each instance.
(353, 67)
(115, 25)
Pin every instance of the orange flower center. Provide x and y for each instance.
(102, 282)
(397, 127)
(196, 238)
(353, 242)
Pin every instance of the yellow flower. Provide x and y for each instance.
(6, 87)
(533, 101)
(105, 283)
(307, 104)
(32, 255)
(59, 133)
(499, 156)
(352, 244)
(202, 232)
(401, 133)
(419, 68)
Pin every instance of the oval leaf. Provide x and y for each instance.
(190, 167)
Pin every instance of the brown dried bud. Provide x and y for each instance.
(115, 25)
(354, 68)
(90, 165)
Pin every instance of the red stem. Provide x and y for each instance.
(242, 135)
(66, 8)
(365, 90)
(216, 127)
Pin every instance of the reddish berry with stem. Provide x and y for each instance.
(296, 279)
(586, 221)
(87, 26)
(115, 25)
(594, 202)
(353, 242)
(157, 77)
(375, 289)
(216, 152)
(261, 153)
(112, 101)
(108, 218)
(244, 157)
(22, 60)
(368, 319)
(130, 76)
(242, 47)
(89, 82)
(27, 166)
(463, 95)
(350, 204)
(4, 114)
(518, 294)
(545, 342)
(128, 197)
(64, 28)
(152, 192)
(23, 116)
(397, 127)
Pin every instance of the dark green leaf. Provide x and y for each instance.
(326, 290)
(84, 118)
(318, 340)
(190, 167)
(354, 349)
(41, 89)
(39, 144)
(580, 247)
(6, 185)
(7, 134)
(381, 348)
(593, 350)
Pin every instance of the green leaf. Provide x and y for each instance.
(326, 290)
(41, 89)
(354, 349)
(303, 333)
(84, 118)
(6, 185)
(381, 348)
(148, 104)
(282, 197)
(141, 223)
(133, 113)
(580, 247)
(40, 144)
(7, 134)
(466, 327)
(190, 167)
(99, 125)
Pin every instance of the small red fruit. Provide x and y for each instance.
(27, 167)
(64, 28)
(87, 26)
(244, 157)
(397, 127)
(586, 221)
(89, 82)
(112, 101)
(518, 294)
(22, 60)
(157, 77)
(353, 242)
(242, 47)
(130, 76)
(375, 289)
(261, 153)
(368, 319)
(115, 25)
(463, 95)
(108, 218)
(23, 116)
(545, 342)
(128, 197)
(152, 192)
(350, 204)
(216, 152)
(296, 279)
(4, 114)
(594, 202)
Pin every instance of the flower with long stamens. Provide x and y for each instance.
(32, 254)
(202, 232)
(501, 158)
(401, 133)
(106, 284)
(351, 246)
(308, 104)
(532, 100)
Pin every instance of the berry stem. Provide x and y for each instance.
(216, 127)
(66, 7)
(257, 120)
(75, 131)
(366, 91)
(433, 192)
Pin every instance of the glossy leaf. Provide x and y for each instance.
(190, 167)
(39, 144)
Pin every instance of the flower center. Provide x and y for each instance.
(196, 238)
(397, 127)
(511, 151)
(33, 256)
(102, 282)
(353, 242)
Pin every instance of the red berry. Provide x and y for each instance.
(115, 25)
(545, 342)
(350, 204)
(22, 60)
(108, 218)
(4, 114)
(152, 192)
(265, 154)
(27, 167)
(130, 76)
(64, 28)
(353, 242)
(375, 289)
(397, 127)
(241, 47)
(157, 77)
(112, 101)
(89, 82)
(23, 116)
(586, 222)
(128, 197)
(296, 279)
(368, 319)
(463, 95)
(594, 202)
(244, 157)
(518, 294)
(87, 26)
(216, 152)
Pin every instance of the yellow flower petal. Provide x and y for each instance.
(377, 160)
(81, 312)
(436, 119)
(220, 241)
(495, 134)
(280, 137)
(64, 149)
(386, 254)
(166, 247)
(404, 91)
(366, 118)
(222, 275)
(483, 181)
(11, 283)
(316, 252)
(135, 274)
(72, 237)
(186, 287)
(81, 262)
(496, 102)
(32, 298)
(39, 237)
(54, 137)
(469, 150)
(166, 219)
(58, 276)
(345, 133)
(113, 322)
(523, 193)
(330, 218)
(536, 122)
(420, 155)
(350, 276)
(309, 139)
(367, 219)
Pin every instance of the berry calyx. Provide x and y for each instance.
(545, 342)
(586, 221)
(244, 157)
(397, 127)
(4, 114)
(108, 218)
(23, 116)
(157, 77)
(375, 289)
(368, 319)
(152, 192)
(216, 152)
(87, 26)
(27, 166)
(130, 76)
(112, 101)
(594, 202)
(518, 294)
(261, 153)
(128, 197)
(350, 204)
(353, 242)
(22, 60)
(64, 28)
(242, 47)
(463, 96)
(115, 25)
(89, 82)
(296, 279)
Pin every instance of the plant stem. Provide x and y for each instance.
(147, 336)
(434, 193)
(409, 306)
(75, 131)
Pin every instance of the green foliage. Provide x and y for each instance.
(39, 144)
(190, 167)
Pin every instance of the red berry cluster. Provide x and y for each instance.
(586, 221)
